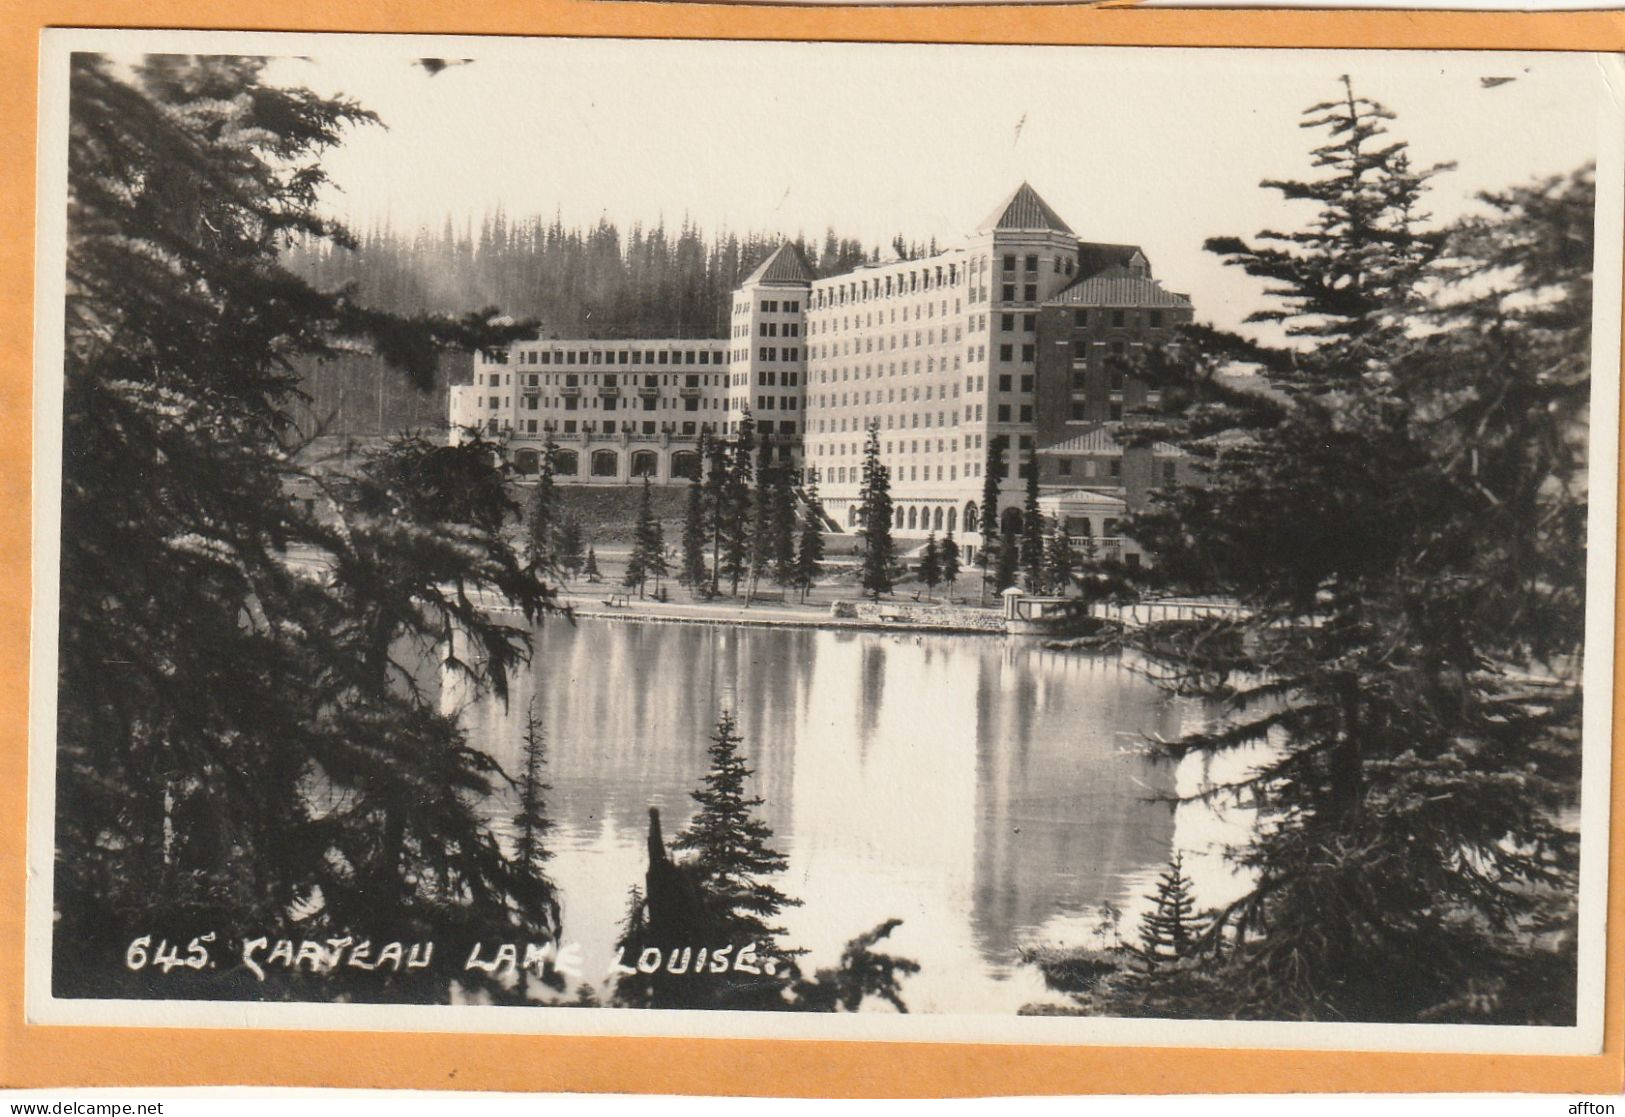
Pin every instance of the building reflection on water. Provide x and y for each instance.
(989, 793)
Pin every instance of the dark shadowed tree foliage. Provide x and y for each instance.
(701, 933)
(810, 545)
(1397, 499)
(242, 740)
(988, 524)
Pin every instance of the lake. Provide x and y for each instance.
(989, 793)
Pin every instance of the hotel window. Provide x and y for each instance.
(1032, 263)
(1004, 412)
(1080, 349)
(1004, 382)
(1156, 319)
(1006, 352)
(1117, 318)
(1116, 414)
(1169, 473)
(1026, 383)
(1027, 352)
(1029, 323)
(1026, 413)
(1007, 321)
(1008, 293)
(1029, 293)
(1009, 263)
(1078, 414)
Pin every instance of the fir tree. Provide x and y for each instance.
(570, 541)
(1032, 532)
(736, 506)
(782, 530)
(717, 494)
(988, 525)
(1403, 548)
(539, 907)
(1060, 560)
(197, 707)
(810, 549)
(1009, 564)
(931, 564)
(950, 563)
(648, 558)
(693, 573)
(731, 849)
(875, 513)
(541, 513)
(590, 570)
(1171, 929)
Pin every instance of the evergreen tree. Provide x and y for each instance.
(1060, 560)
(693, 573)
(717, 493)
(590, 570)
(531, 827)
(541, 513)
(1170, 930)
(875, 513)
(762, 517)
(730, 846)
(1398, 518)
(950, 563)
(569, 553)
(810, 549)
(197, 707)
(782, 530)
(1032, 533)
(1009, 564)
(736, 506)
(648, 558)
(931, 564)
(988, 525)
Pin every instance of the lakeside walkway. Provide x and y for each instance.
(590, 602)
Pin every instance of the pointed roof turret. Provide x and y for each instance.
(1023, 209)
(784, 267)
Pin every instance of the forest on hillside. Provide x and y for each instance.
(598, 282)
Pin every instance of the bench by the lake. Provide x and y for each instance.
(774, 596)
(617, 601)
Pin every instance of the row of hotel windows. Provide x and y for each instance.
(619, 357)
(607, 379)
(624, 426)
(835, 375)
(611, 403)
(867, 321)
(771, 306)
(848, 346)
(770, 379)
(891, 396)
(882, 286)
(851, 474)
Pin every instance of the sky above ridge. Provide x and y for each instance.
(1163, 148)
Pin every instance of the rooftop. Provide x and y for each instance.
(1101, 440)
(1024, 209)
(785, 267)
(1119, 286)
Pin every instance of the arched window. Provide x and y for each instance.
(936, 518)
(564, 463)
(527, 462)
(913, 517)
(645, 463)
(604, 463)
(899, 522)
(970, 515)
(686, 463)
(952, 513)
(851, 515)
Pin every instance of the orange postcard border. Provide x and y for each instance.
(39, 1056)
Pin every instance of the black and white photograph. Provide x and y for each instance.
(804, 539)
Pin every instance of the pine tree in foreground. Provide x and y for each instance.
(1170, 930)
(541, 512)
(1400, 518)
(730, 846)
(1009, 564)
(569, 554)
(590, 569)
(875, 513)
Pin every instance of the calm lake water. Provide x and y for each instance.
(987, 792)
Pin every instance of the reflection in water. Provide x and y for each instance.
(987, 792)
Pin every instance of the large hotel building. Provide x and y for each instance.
(1007, 334)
